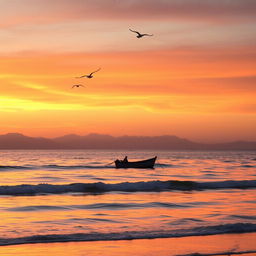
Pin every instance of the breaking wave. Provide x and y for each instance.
(128, 235)
(143, 186)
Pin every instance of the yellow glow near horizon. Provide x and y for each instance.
(15, 104)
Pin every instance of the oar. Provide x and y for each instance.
(110, 163)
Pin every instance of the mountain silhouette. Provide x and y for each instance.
(102, 141)
(19, 141)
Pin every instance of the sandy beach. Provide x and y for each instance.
(232, 244)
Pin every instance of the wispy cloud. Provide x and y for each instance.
(48, 11)
(198, 68)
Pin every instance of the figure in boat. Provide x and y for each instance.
(125, 160)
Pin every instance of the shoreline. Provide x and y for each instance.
(131, 235)
(213, 245)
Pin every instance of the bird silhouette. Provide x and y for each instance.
(77, 85)
(139, 35)
(90, 75)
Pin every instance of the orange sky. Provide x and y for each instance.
(195, 78)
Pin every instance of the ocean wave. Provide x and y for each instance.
(109, 206)
(91, 165)
(248, 166)
(164, 165)
(53, 166)
(56, 166)
(226, 253)
(129, 235)
(143, 186)
(8, 167)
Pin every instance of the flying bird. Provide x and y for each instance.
(139, 35)
(90, 75)
(77, 85)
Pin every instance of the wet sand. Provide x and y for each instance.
(239, 244)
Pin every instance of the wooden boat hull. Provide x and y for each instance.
(148, 163)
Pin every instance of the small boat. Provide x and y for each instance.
(148, 163)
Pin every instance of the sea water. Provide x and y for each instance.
(78, 195)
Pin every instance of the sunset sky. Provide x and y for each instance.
(195, 78)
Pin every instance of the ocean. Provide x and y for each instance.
(50, 196)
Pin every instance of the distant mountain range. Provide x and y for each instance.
(99, 141)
